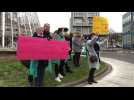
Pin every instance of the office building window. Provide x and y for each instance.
(78, 29)
(78, 21)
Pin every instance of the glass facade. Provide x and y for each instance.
(14, 23)
(128, 30)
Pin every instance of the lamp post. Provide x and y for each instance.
(3, 29)
(131, 28)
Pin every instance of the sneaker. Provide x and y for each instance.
(30, 85)
(57, 79)
(90, 83)
(60, 76)
(95, 82)
(63, 74)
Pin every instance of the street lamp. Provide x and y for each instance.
(131, 13)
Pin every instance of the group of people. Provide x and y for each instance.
(36, 68)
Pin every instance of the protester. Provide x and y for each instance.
(46, 32)
(97, 49)
(26, 63)
(97, 45)
(92, 58)
(59, 64)
(70, 52)
(37, 67)
(67, 38)
(76, 47)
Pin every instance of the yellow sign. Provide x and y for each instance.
(100, 25)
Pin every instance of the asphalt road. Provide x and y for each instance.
(120, 55)
(122, 74)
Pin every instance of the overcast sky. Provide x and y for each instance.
(62, 19)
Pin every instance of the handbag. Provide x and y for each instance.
(93, 59)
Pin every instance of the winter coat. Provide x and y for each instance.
(91, 53)
(76, 44)
(35, 63)
(57, 37)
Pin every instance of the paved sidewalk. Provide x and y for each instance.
(122, 75)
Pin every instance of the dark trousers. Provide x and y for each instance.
(70, 54)
(26, 63)
(40, 73)
(98, 54)
(56, 70)
(76, 58)
(60, 68)
(91, 74)
(67, 67)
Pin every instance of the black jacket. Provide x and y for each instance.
(47, 35)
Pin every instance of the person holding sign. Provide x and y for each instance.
(59, 64)
(42, 64)
(37, 68)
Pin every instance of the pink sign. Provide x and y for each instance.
(33, 48)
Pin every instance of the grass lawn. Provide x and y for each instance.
(13, 74)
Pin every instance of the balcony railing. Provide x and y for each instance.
(81, 24)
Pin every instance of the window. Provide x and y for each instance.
(79, 14)
(78, 29)
(90, 14)
(8, 29)
(90, 20)
(15, 29)
(78, 20)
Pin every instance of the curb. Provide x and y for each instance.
(7, 52)
(83, 81)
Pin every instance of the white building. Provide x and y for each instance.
(82, 21)
(14, 23)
